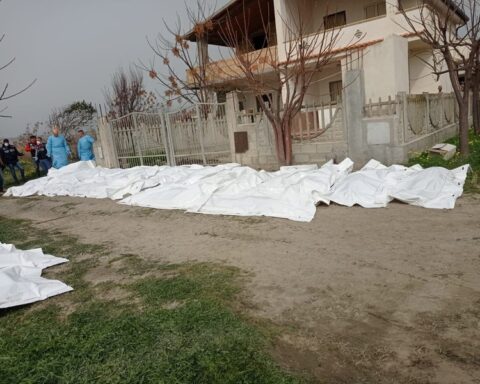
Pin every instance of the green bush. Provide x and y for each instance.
(428, 160)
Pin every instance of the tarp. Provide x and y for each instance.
(20, 276)
(84, 179)
(230, 189)
(290, 193)
(376, 185)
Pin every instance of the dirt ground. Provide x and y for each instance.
(361, 296)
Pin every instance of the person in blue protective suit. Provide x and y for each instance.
(57, 149)
(85, 146)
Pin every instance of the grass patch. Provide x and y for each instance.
(180, 327)
(30, 173)
(473, 181)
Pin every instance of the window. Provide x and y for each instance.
(335, 20)
(407, 4)
(375, 10)
(336, 88)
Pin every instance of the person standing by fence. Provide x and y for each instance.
(31, 147)
(42, 159)
(57, 149)
(85, 146)
(9, 154)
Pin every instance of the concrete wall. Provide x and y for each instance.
(391, 151)
(314, 11)
(261, 153)
(319, 90)
(330, 145)
(386, 68)
(421, 77)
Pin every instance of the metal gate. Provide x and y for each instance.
(139, 139)
(193, 135)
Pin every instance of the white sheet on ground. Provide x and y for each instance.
(376, 185)
(436, 188)
(20, 276)
(34, 258)
(291, 193)
(230, 189)
(84, 179)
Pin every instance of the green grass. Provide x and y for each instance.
(473, 181)
(178, 324)
(30, 173)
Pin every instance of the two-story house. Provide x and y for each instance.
(374, 41)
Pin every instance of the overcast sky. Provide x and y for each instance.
(72, 47)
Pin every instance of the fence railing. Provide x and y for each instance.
(419, 114)
(140, 140)
(380, 107)
(313, 120)
(197, 134)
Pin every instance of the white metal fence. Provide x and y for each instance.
(194, 135)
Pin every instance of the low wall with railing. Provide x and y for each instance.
(324, 140)
(318, 135)
(396, 128)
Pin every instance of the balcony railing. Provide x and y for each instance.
(228, 70)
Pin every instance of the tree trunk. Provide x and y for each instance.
(279, 143)
(463, 126)
(287, 138)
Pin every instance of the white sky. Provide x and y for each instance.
(73, 47)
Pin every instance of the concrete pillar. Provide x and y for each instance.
(108, 152)
(203, 60)
(231, 115)
(392, 7)
(353, 104)
(281, 16)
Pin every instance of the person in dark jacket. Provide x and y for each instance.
(9, 154)
(41, 156)
(2, 167)
(31, 147)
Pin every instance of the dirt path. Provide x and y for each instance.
(365, 296)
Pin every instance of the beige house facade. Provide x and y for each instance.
(376, 98)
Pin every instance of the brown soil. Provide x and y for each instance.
(363, 296)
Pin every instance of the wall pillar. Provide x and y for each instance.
(203, 61)
(353, 104)
(231, 115)
(106, 152)
(386, 68)
(392, 7)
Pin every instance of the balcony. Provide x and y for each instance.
(228, 71)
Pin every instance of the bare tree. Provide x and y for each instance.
(454, 38)
(5, 93)
(128, 94)
(183, 72)
(280, 80)
(71, 118)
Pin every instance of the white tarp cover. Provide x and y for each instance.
(84, 179)
(291, 193)
(376, 185)
(230, 189)
(20, 276)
